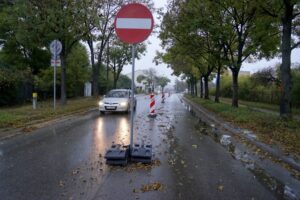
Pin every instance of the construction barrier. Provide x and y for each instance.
(152, 105)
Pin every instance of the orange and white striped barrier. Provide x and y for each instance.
(152, 106)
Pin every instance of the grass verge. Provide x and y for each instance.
(266, 106)
(21, 116)
(269, 128)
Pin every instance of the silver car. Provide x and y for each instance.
(117, 100)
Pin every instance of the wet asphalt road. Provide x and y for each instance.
(65, 160)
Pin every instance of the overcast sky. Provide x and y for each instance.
(147, 61)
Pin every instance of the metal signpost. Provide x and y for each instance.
(133, 24)
(55, 48)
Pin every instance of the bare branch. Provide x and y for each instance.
(296, 14)
(295, 45)
(266, 11)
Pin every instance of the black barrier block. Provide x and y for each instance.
(117, 155)
(141, 153)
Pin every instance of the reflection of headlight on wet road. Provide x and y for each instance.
(100, 103)
(123, 104)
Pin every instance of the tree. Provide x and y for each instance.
(124, 82)
(105, 28)
(180, 86)
(243, 36)
(78, 73)
(150, 76)
(287, 12)
(62, 20)
(119, 55)
(162, 81)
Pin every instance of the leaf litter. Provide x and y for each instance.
(155, 186)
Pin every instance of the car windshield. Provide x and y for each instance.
(117, 94)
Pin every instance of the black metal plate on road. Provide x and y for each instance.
(141, 153)
(117, 155)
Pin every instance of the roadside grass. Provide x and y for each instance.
(15, 117)
(269, 128)
(272, 107)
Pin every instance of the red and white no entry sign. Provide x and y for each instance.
(134, 23)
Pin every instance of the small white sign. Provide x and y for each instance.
(55, 62)
(55, 47)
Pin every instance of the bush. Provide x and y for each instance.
(15, 86)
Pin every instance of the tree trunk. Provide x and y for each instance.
(206, 90)
(96, 75)
(91, 46)
(235, 88)
(192, 87)
(201, 88)
(115, 78)
(107, 67)
(217, 95)
(63, 88)
(95, 79)
(285, 68)
(196, 88)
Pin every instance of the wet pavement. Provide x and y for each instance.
(65, 161)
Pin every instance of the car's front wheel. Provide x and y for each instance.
(102, 113)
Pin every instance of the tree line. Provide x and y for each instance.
(203, 38)
(28, 27)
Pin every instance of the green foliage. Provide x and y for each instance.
(269, 127)
(124, 82)
(11, 84)
(251, 89)
(78, 72)
(162, 81)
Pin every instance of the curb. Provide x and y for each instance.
(212, 118)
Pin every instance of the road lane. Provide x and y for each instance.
(69, 163)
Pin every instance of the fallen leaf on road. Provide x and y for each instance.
(220, 188)
(75, 172)
(29, 129)
(61, 184)
(152, 187)
(135, 190)
(195, 146)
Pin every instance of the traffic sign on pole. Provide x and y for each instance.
(133, 23)
(55, 47)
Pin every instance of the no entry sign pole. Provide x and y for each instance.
(132, 97)
(133, 24)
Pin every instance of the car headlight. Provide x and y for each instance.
(101, 103)
(123, 104)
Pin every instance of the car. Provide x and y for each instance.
(117, 100)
